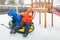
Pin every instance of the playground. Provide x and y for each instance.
(46, 20)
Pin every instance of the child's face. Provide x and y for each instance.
(9, 15)
(30, 14)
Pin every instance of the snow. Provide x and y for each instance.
(39, 33)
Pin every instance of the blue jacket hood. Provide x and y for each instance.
(12, 12)
(15, 17)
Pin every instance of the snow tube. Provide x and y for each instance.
(12, 24)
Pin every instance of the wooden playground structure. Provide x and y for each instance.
(42, 6)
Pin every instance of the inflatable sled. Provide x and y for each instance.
(12, 24)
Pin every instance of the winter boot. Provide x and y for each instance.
(24, 35)
(12, 32)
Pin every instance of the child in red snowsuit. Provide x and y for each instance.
(26, 21)
(27, 16)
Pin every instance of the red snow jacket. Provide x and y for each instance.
(26, 17)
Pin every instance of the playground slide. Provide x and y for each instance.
(54, 11)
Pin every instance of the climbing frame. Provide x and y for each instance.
(42, 7)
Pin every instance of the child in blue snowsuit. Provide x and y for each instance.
(16, 18)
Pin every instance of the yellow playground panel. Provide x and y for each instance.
(42, 6)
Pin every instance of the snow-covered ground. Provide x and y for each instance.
(39, 33)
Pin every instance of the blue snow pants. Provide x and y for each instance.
(21, 24)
